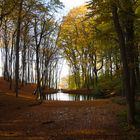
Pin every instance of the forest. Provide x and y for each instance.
(100, 42)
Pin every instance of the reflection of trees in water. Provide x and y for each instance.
(68, 97)
(77, 97)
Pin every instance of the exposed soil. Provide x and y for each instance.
(24, 118)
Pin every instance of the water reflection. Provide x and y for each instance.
(68, 97)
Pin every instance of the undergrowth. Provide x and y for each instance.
(131, 132)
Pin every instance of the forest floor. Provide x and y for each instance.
(24, 118)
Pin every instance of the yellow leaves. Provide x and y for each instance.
(78, 12)
(76, 15)
(74, 24)
(137, 11)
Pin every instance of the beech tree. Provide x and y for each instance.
(28, 40)
(84, 43)
(123, 15)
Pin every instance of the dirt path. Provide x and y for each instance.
(21, 119)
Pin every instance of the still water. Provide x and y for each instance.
(68, 97)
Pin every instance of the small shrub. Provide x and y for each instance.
(122, 118)
(109, 85)
(97, 93)
(120, 101)
(131, 132)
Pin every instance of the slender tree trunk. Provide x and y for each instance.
(11, 62)
(111, 69)
(17, 47)
(96, 71)
(6, 73)
(28, 73)
(23, 63)
(137, 65)
(38, 72)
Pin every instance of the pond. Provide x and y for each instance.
(60, 96)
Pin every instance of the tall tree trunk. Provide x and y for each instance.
(23, 63)
(126, 71)
(111, 67)
(38, 70)
(129, 25)
(95, 71)
(6, 73)
(17, 47)
(28, 68)
(137, 65)
(11, 61)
